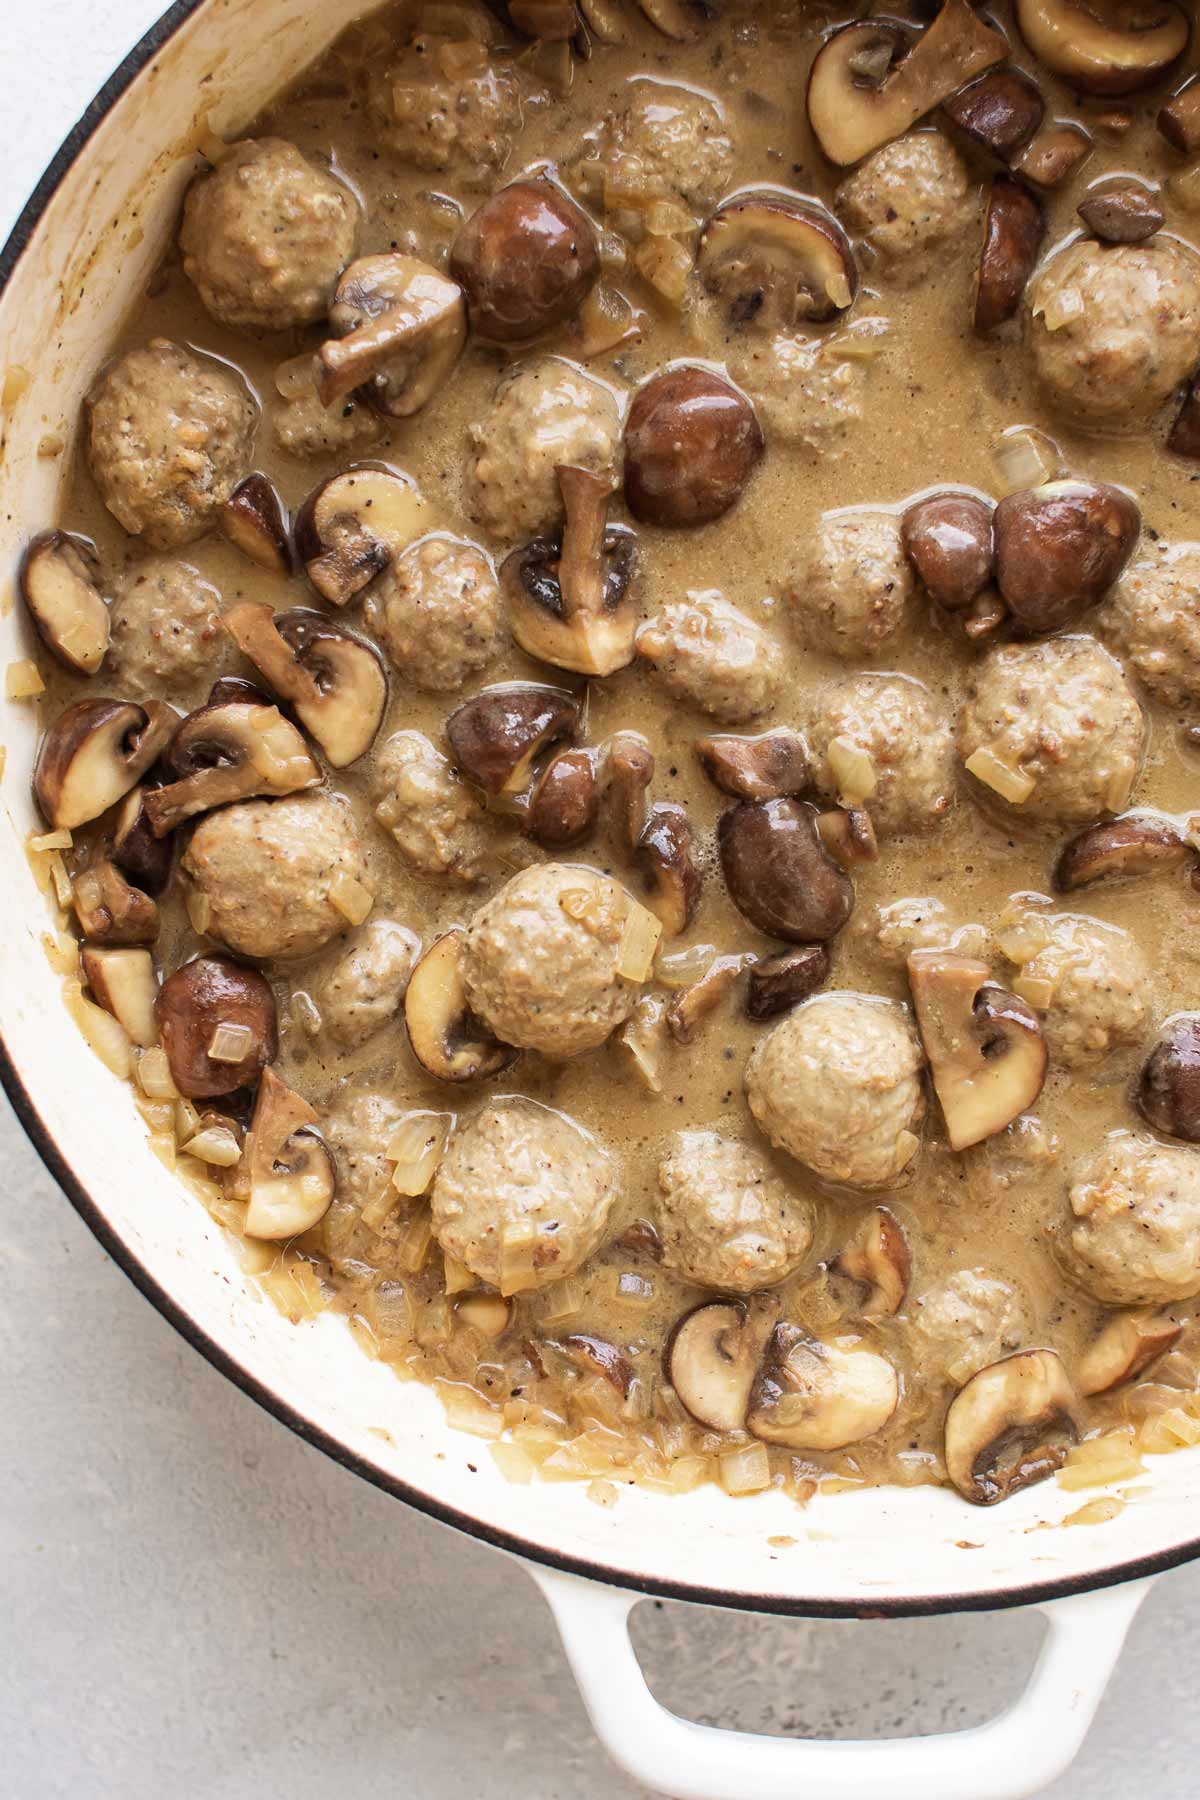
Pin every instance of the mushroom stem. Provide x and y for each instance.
(585, 497)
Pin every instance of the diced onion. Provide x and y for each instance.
(154, 1076)
(517, 1241)
(230, 1043)
(1096, 1512)
(51, 840)
(633, 1291)
(216, 1145)
(562, 1299)
(1011, 784)
(1062, 306)
(486, 1313)
(414, 1245)
(23, 680)
(601, 1493)
(639, 942)
(390, 1310)
(294, 379)
(417, 1146)
(305, 1012)
(103, 1034)
(666, 265)
(1168, 1430)
(199, 910)
(853, 771)
(187, 1120)
(379, 1208)
(514, 1462)
(63, 891)
(1035, 990)
(456, 1277)
(352, 899)
(746, 1470)
(1026, 457)
(682, 968)
(468, 1411)
(643, 1038)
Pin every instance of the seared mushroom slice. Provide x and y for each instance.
(877, 1257)
(564, 803)
(497, 735)
(236, 687)
(229, 752)
(1179, 120)
(447, 1039)
(399, 328)
(848, 835)
(1054, 154)
(291, 1169)
(755, 768)
(999, 1426)
(863, 91)
(948, 540)
(255, 522)
(778, 872)
(692, 442)
(135, 849)
(629, 768)
(596, 1356)
(353, 525)
(1183, 438)
(335, 682)
(1012, 239)
(527, 259)
(1168, 1089)
(1060, 547)
(777, 257)
(985, 1046)
(665, 856)
(712, 1357)
(1000, 113)
(689, 1009)
(110, 909)
(572, 601)
(1122, 215)
(1133, 844)
(811, 1395)
(59, 582)
(778, 983)
(123, 982)
(1123, 1348)
(218, 1026)
(1100, 48)
(94, 753)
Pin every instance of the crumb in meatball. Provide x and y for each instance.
(708, 654)
(1088, 981)
(1152, 617)
(437, 823)
(726, 1220)
(913, 203)
(810, 390)
(1132, 1235)
(363, 989)
(667, 143)
(446, 105)
(851, 591)
(166, 629)
(435, 612)
(544, 413)
(894, 721)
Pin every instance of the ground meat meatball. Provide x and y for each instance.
(919, 922)
(264, 870)
(359, 1132)
(444, 106)
(726, 1221)
(1061, 714)
(1113, 328)
(544, 413)
(166, 628)
(913, 203)
(170, 435)
(668, 143)
(1023, 1151)
(522, 1195)
(265, 236)
(540, 960)
(707, 653)
(852, 588)
(1087, 980)
(837, 1084)
(439, 825)
(894, 720)
(966, 1321)
(1152, 617)
(302, 426)
(436, 612)
(810, 391)
(364, 988)
(1137, 1237)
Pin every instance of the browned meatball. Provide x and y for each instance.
(913, 203)
(1135, 1235)
(727, 1220)
(448, 107)
(893, 720)
(851, 591)
(166, 629)
(436, 612)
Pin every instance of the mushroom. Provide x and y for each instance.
(497, 734)
(527, 259)
(229, 752)
(571, 601)
(1132, 844)
(564, 803)
(447, 1039)
(692, 442)
(123, 983)
(110, 909)
(1123, 215)
(866, 88)
(255, 522)
(1099, 48)
(848, 835)
(778, 983)
(335, 682)
(810, 1395)
(998, 1426)
(596, 1356)
(778, 872)
(353, 525)
(94, 753)
(665, 856)
(777, 257)
(690, 1008)
(1168, 1089)
(1012, 239)
(948, 540)
(877, 1257)
(399, 328)
(985, 1047)
(1000, 112)
(292, 1176)
(769, 767)
(1060, 547)
(1123, 1348)
(1179, 119)
(135, 849)
(236, 687)
(1184, 436)
(1054, 155)
(712, 1357)
(59, 582)
(629, 767)
(218, 1026)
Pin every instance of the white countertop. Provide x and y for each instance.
(196, 1604)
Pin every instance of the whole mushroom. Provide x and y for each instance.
(692, 442)
(218, 1026)
(527, 260)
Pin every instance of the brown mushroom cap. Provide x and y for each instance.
(665, 855)
(629, 770)
(596, 1356)
(448, 1041)
(692, 442)
(123, 982)
(335, 681)
(713, 1354)
(94, 753)
(997, 1426)
(1012, 240)
(292, 1176)
(985, 1047)
(527, 259)
(768, 767)
(778, 983)
(1179, 119)
(1000, 112)
(213, 1004)
(877, 1257)
(136, 850)
(1060, 547)
(110, 909)
(1168, 1089)
(496, 735)
(564, 803)
(1122, 215)
(1132, 845)
(948, 540)
(1103, 49)
(572, 601)
(353, 525)
(1054, 154)
(59, 583)
(778, 872)
(255, 522)
(229, 752)
(810, 1395)
(779, 257)
(1123, 1348)
(399, 327)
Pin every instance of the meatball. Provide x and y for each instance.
(837, 1084)
(809, 391)
(966, 1321)
(669, 143)
(894, 721)
(707, 653)
(1136, 1241)
(444, 107)
(1153, 619)
(266, 873)
(439, 825)
(919, 922)
(541, 960)
(1061, 715)
(852, 589)
(913, 203)
(1023, 1150)
(359, 1132)
(522, 1195)
(544, 413)
(728, 1222)
(1087, 980)
(170, 435)
(303, 426)
(436, 612)
(364, 988)
(1113, 328)
(265, 236)
(166, 628)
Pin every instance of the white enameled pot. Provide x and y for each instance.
(80, 255)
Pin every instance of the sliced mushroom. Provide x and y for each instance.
(778, 983)
(689, 1009)
(692, 442)
(1184, 436)
(59, 582)
(1132, 845)
(496, 736)
(712, 1357)
(877, 1257)
(849, 836)
(123, 982)
(572, 601)
(769, 767)
(1168, 1089)
(778, 872)
(948, 540)
(1054, 154)
(94, 753)
(629, 769)
(1101, 48)
(1012, 240)
(236, 687)
(816, 1396)
(1123, 215)
(291, 1170)
(527, 259)
(1060, 547)
(229, 752)
(550, 21)
(985, 1047)
(564, 803)
(255, 522)
(1179, 120)
(218, 1026)
(135, 849)
(864, 90)
(1123, 1348)
(399, 328)
(1000, 113)
(447, 1039)
(666, 858)
(110, 909)
(353, 525)
(778, 257)
(334, 681)
(999, 1425)
(596, 1356)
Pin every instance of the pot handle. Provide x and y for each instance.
(1011, 1756)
